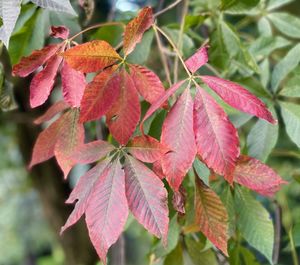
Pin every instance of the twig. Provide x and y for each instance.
(167, 8)
(163, 57)
(277, 232)
(293, 247)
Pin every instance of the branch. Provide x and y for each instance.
(167, 8)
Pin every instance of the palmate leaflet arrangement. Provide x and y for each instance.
(196, 125)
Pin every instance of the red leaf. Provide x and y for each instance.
(73, 85)
(42, 84)
(147, 149)
(82, 191)
(91, 56)
(45, 143)
(91, 152)
(257, 176)
(99, 95)
(71, 136)
(107, 209)
(160, 101)
(197, 60)
(238, 97)
(135, 29)
(124, 114)
(211, 216)
(147, 83)
(59, 32)
(216, 138)
(156, 168)
(147, 197)
(29, 64)
(54, 109)
(177, 134)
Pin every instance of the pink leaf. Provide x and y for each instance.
(99, 95)
(147, 197)
(82, 191)
(157, 169)
(124, 115)
(59, 32)
(197, 60)
(54, 109)
(147, 149)
(160, 101)
(71, 136)
(257, 176)
(91, 152)
(238, 97)
(42, 84)
(135, 29)
(147, 83)
(29, 64)
(107, 209)
(73, 85)
(177, 134)
(216, 138)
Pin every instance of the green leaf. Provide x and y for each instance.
(193, 21)
(202, 171)
(273, 4)
(111, 34)
(264, 27)
(285, 66)
(265, 72)
(30, 37)
(262, 139)
(175, 257)
(142, 49)
(291, 117)
(264, 46)
(286, 23)
(238, 6)
(196, 253)
(292, 87)
(228, 201)
(254, 223)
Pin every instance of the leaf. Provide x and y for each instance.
(91, 152)
(29, 64)
(273, 4)
(160, 101)
(291, 117)
(9, 12)
(201, 171)
(197, 60)
(177, 134)
(211, 216)
(71, 136)
(54, 109)
(147, 197)
(56, 5)
(197, 254)
(262, 138)
(238, 6)
(254, 223)
(42, 84)
(285, 66)
(238, 97)
(135, 29)
(146, 149)
(257, 176)
(82, 191)
(175, 257)
(216, 138)
(286, 23)
(264, 27)
(59, 32)
(100, 95)
(124, 115)
(91, 56)
(147, 83)
(292, 87)
(73, 85)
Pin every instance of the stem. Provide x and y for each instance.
(174, 47)
(180, 36)
(167, 8)
(293, 248)
(97, 26)
(162, 56)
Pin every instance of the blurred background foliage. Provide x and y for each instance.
(253, 42)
